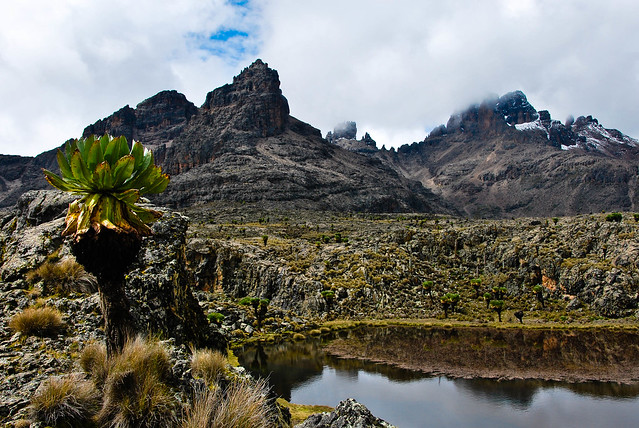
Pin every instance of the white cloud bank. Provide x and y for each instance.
(397, 68)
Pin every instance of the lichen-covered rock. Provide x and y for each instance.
(158, 287)
(159, 290)
(348, 414)
(31, 231)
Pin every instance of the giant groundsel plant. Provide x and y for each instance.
(111, 179)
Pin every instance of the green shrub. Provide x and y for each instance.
(328, 294)
(215, 317)
(63, 277)
(68, 401)
(208, 365)
(497, 306)
(38, 322)
(614, 217)
(636, 217)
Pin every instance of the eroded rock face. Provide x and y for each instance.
(516, 108)
(253, 102)
(156, 120)
(157, 287)
(159, 291)
(348, 414)
(584, 262)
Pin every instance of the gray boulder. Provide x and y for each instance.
(348, 414)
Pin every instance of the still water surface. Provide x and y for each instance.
(302, 373)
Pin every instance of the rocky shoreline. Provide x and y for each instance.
(574, 356)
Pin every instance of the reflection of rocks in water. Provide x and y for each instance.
(292, 363)
(518, 393)
(573, 355)
(393, 373)
(605, 389)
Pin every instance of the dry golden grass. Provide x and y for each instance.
(208, 365)
(93, 360)
(65, 401)
(63, 277)
(243, 404)
(135, 388)
(44, 321)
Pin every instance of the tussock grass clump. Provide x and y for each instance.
(242, 404)
(65, 401)
(32, 321)
(209, 365)
(93, 360)
(63, 277)
(136, 390)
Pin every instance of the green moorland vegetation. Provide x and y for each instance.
(578, 270)
(273, 274)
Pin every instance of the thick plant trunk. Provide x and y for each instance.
(108, 255)
(119, 325)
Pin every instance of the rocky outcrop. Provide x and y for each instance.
(376, 269)
(157, 287)
(348, 414)
(159, 291)
(244, 146)
(345, 130)
(515, 108)
(344, 136)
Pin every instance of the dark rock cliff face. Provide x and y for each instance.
(500, 158)
(156, 120)
(244, 146)
(19, 174)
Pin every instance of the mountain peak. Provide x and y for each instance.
(252, 103)
(515, 108)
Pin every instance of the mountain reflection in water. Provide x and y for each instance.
(303, 372)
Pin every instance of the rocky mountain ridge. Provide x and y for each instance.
(500, 158)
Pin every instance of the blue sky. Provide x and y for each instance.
(397, 68)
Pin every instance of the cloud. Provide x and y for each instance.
(405, 65)
(65, 64)
(397, 68)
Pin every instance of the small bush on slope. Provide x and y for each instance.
(65, 401)
(38, 322)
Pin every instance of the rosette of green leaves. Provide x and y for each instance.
(111, 179)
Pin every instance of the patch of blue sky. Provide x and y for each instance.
(234, 42)
(226, 34)
(229, 44)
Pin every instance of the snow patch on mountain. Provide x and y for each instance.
(535, 125)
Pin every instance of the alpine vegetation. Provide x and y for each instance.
(106, 223)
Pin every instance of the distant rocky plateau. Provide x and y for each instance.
(498, 159)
